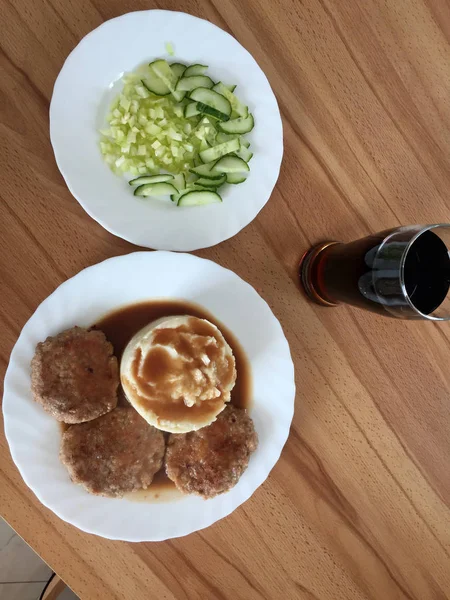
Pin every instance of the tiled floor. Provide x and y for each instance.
(23, 574)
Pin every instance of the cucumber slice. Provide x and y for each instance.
(207, 171)
(189, 188)
(178, 69)
(235, 178)
(204, 145)
(245, 142)
(244, 153)
(164, 72)
(231, 164)
(212, 99)
(187, 84)
(179, 181)
(191, 110)
(212, 112)
(223, 137)
(151, 179)
(220, 150)
(219, 85)
(177, 196)
(195, 70)
(211, 183)
(197, 198)
(235, 103)
(154, 84)
(155, 189)
(190, 178)
(241, 125)
(177, 96)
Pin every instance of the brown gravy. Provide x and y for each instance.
(120, 326)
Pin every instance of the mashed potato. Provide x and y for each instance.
(178, 373)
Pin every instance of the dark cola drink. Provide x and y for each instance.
(393, 272)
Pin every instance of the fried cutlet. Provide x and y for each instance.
(74, 375)
(114, 454)
(210, 461)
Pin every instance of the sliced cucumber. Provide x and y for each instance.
(195, 70)
(219, 85)
(235, 178)
(196, 133)
(155, 189)
(191, 110)
(235, 103)
(223, 137)
(162, 69)
(153, 83)
(220, 150)
(151, 179)
(211, 112)
(187, 84)
(211, 183)
(190, 178)
(204, 145)
(212, 99)
(197, 198)
(168, 77)
(190, 187)
(240, 125)
(244, 153)
(178, 69)
(207, 171)
(177, 196)
(179, 181)
(231, 164)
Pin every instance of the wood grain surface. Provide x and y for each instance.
(358, 505)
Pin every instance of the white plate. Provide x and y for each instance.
(84, 90)
(34, 436)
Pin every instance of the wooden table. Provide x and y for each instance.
(358, 505)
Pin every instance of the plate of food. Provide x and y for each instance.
(148, 396)
(166, 130)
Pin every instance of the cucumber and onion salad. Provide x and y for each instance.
(175, 118)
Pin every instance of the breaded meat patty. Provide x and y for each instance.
(210, 461)
(74, 375)
(114, 454)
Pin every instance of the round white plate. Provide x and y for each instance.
(34, 436)
(86, 86)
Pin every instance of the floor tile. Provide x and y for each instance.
(20, 591)
(6, 533)
(18, 562)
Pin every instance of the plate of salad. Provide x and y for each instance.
(166, 130)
